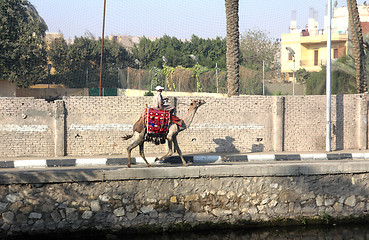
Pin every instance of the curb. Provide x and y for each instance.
(296, 157)
(71, 162)
(90, 162)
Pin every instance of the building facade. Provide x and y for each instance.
(307, 48)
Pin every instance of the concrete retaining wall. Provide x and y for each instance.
(82, 126)
(160, 198)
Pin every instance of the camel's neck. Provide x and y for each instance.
(188, 118)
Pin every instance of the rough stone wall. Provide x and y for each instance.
(161, 203)
(94, 125)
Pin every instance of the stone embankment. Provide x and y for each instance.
(166, 197)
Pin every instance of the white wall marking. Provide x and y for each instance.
(23, 128)
(227, 126)
(101, 127)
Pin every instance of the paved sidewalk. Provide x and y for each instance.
(206, 158)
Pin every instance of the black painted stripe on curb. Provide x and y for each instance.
(345, 156)
(235, 158)
(177, 159)
(6, 164)
(60, 162)
(119, 161)
(333, 156)
(287, 157)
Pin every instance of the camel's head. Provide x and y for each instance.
(197, 103)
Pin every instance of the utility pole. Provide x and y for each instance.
(263, 77)
(102, 47)
(328, 80)
(216, 72)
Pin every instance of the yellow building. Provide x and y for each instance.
(310, 51)
(308, 47)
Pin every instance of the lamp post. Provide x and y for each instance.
(290, 51)
(196, 60)
(263, 77)
(118, 77)
(86, 77)
(139, 73)
(165, 60)
(216, 73)
(48, 75)
(328, 80)
(102, 47)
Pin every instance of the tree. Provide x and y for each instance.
(208, 52)
(302, 75)
(255, 47)
(22, 46)
(78, 64)
(358, 47)
(342, 82)
(233, 53)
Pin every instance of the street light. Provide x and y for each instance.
(290, 51)
(263, 77)
(138, 62)
(118, 77)
(216, 73)
(328, 79)
(139, 73)
(165, 60)
(48, 74)
(196, 60)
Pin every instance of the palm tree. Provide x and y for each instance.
(233, 50)
(358, 47)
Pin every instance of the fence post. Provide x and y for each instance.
(362, 126)
(59, 134)
(278, 123)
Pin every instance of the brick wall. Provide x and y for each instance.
(82, 126)
(26, 127)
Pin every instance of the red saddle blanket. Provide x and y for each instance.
(157, 121)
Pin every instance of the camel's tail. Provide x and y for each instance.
(128, 136)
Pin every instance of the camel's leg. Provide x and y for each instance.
(129, 149)
(138, 141)
(169, 150)
(176, 147)
(142, 153)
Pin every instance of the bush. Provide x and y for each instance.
(149, 93)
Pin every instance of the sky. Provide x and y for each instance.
(181, 19)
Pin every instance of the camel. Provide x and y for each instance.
(140, 131)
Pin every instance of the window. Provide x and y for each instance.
(290, 56)
(335, 53)
(316, 59)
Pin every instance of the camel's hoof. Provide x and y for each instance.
(149, 165)
(129, 166)
(156, 159)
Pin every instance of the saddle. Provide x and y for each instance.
(157, 121)
(157, 124)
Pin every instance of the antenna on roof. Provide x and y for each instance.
(293, 15)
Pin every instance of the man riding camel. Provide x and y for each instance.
(159, 101)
